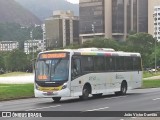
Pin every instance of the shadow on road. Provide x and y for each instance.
(74, 100)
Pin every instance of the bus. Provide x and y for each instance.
(86, 71)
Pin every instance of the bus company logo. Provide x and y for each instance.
(119, 76)
(6, 114)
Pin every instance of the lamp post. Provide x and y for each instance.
(31, 36)
(155, 38)
(155, 55)
(93, 28)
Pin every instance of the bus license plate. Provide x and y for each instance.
(51, 93)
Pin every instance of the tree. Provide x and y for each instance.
(16, 61)
(142, 43)
(2, 63)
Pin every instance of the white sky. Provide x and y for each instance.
(73, 1)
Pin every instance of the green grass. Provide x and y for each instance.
(151, 84)
(16, 91)
(15, 74)
(149, 74)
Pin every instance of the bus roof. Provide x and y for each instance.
(96, 52)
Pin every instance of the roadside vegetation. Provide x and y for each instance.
(151, 84)
(147, 74)
(15, 91)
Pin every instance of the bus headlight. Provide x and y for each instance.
(64, 86)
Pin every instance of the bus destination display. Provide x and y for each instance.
(52, 55)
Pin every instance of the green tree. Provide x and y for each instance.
(142, 43)
(16, 61)
(2, 63)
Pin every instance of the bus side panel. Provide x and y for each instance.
(106, 83)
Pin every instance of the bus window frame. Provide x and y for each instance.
(80, 73)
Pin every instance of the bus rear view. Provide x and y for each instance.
(51, 75)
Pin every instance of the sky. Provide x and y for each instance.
(73, 1)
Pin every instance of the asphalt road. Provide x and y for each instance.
(24, 79)
(135, 100)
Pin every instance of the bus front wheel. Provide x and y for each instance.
(56, 99)
(85, 93)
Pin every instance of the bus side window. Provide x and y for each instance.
(76, 68)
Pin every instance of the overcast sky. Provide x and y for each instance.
(73, 1)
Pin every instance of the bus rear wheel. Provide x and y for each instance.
(56, 99)
(123, 89)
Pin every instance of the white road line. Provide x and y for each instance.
(43, 108)
(98, 109)
(114, 97)
(156, 99)
(133, 117)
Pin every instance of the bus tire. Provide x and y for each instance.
(85, 93)
(56, 99)
(123, 89)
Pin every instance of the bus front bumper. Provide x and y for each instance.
(61, 93)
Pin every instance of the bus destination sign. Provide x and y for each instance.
(52, 55)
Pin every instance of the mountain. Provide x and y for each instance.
(44, 8)
(11, 11)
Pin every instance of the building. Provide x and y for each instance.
(112, 18)
(154, 18)
(31, 46)
(62, 29)
(8, 45)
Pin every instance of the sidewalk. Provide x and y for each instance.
(17, 79)
(152, 78)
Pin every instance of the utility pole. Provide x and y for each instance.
(155, 38)
(93, 29)
(31, 36)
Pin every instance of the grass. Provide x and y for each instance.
(15, 74)
(151, 84)
(149, 74)
(16, 91)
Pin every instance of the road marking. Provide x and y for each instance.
(43, 108)
(156, 99)
(98, 109)
(133, 117)
(114, 97)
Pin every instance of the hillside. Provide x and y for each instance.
(11, 11)
(44, 8)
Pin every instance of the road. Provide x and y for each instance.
(24, 79)
(135, 100)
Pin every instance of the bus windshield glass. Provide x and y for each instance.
(52, 70)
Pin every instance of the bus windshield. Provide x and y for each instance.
(52, 70)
